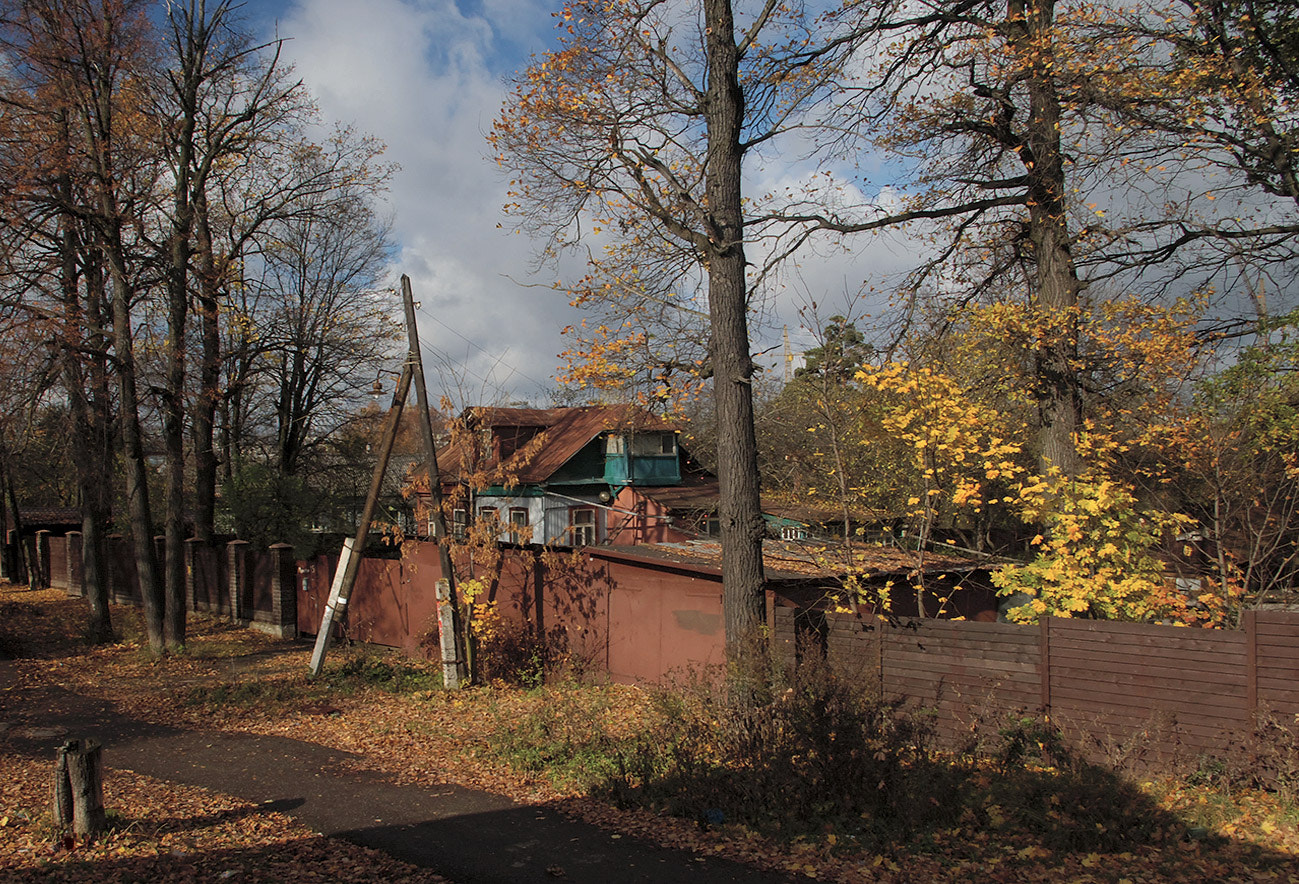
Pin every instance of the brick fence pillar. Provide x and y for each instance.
(42, 556)
(191, 594)
(284, 591)
(237, 570)
(9, 558)
(76, 582)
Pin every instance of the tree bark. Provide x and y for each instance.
(743, 588)
(137, 470)
(1057, 286)
(89, 452)
(79, 788)
(209, 390)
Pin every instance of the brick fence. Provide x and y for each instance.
(229, 579)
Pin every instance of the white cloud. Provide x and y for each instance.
(425, 76)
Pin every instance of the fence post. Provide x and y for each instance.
(191, 581)
(1250, 623)
(1044, 648)
(284, 591)
(879, 625)
(236, 564)
(41, 573)
(76, 584)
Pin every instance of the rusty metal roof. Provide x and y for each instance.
(699, 496)
(820, 512)
(797, 560)
(566, 431)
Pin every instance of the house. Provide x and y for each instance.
(574, 476)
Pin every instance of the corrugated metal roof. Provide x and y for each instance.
(788, 560)
(702, 496)
(566, 431)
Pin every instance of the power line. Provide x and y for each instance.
(498, 359)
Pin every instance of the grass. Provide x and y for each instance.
(568, 733)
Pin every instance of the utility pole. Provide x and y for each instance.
(453, 660)
(350, 560)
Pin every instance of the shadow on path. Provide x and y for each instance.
(466, 835)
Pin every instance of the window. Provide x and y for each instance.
(519, 524)
(792, 532)
(487, 514)
(642, 444)
(654, 444)
(581, 526)
(459, 524)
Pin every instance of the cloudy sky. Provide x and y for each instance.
(426, 77)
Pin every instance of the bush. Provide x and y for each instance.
(819, 756)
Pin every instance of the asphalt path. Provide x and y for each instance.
(466, 835)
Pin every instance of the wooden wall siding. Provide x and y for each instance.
(1178, 692)
(1275, 649)
(1139, 690)
(972, 676)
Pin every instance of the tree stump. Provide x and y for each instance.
(79, 787)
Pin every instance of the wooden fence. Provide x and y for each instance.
(1122, 691)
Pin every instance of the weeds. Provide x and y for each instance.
(570, 736)
(400, 677)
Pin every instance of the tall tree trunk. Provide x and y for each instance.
(137, 470)
(743, 588)
(25, 563)
(173, 404)
(209, 391)
(1059, 399)
(88, 451)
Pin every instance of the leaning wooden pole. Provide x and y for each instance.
(453, 658)
(350, 561)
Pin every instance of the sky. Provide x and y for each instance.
(427, 78)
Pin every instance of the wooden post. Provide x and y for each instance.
(1044, 647)
(447, 635)
(334, 606)
(350, 561)
(1250, 622)
(79, 787)
(451, 679)
(62, 788)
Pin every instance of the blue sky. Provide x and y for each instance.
(426, 77)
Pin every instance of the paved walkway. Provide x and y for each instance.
(466, 835)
